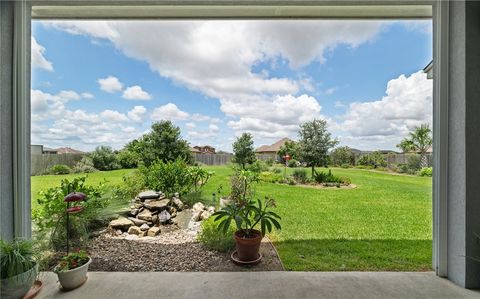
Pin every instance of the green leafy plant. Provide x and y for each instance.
(84, 166)
(199, 177)
(300, 175)
(241, 185)
(293, 163)
(341, 156)
(270, 177)
(426, 171)
(16, 257)
(211, 237)
(328, 177)
(257, 166)
(59, 169)
(243, 151)
(104, 158)
(72, 260)
(419, 141)
(128, 159)
(375, 159)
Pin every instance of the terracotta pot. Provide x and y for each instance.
(74, 278)
(248, 247)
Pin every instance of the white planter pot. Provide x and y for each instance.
(17, 286)
(74, 278)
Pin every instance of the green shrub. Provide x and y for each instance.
(130, 186)
(276, 170)
(168, 177)
(257, 166)
(300, 175)
(414, 164)
(426, 171)
(128, 159)
(269, 162)
(59, 169)
(84, 166)
(104, 158)
(214, 238)
(270, 177)
(16, 257)
(328, 177)
(342, 155)
(49, 215)
(289, 181)
(375, 159)
(293, 163)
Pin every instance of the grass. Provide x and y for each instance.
(382, 225)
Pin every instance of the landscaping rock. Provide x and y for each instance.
(134, 212)
(153, 231)
(131, 237)
(121, 223)
(197, 215)
(158, 204)
(178, 203)
(164, 216)
(205, 215)
(134, 230)
(145, 215)
(211, 209)
(144, 227)
(136, 221)
(149, 194)
(155, 219)
(198, 207)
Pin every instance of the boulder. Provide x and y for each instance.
(134, 230)
(155, 219)
(134, 212)
(164, 216)
(149, 194)
(178, 203)
(145, 215)
(144, 227)
(198, 207)
(136, 221)
(158, 204)
(204, 215)
(153, 231)
(121, 223)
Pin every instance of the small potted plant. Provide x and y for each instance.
(72, 270)
(18, 268)
(248, 214)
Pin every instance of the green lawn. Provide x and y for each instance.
(382, 225)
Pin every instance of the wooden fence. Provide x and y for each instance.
(213, 159)
(41, 163)
(403, 158)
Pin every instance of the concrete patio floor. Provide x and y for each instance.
(259, 285)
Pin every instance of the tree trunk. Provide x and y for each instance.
(313, 171)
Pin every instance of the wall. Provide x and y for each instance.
(213, 159)
(41, 163)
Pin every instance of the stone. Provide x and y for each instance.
(155, 219)
(119, 232)
(205, 215)
(134, 212)
(178, 203)
(121, 223)
(153, 231)
(211, 209)
(144, 227)
(198, 207)
(176, 194)
(164, 216)
(134, 230)
(147, 201)
(145, 215)
(225, 201)
(197, 215)
(131, 237)
(158, 204)
(149, 194)
(136, 221)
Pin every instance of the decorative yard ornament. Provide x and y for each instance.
(287, 158)
(72, 197)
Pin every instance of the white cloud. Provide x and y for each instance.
(69, 95)
(87, 95)
(190, 125)
(38, 58)
(110, 84)
(136, 93)
(331, 90)
(115, 116)
(137, 114)
(169, 111)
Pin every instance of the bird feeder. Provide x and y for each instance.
(73, 197)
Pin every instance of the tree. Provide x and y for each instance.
(315, 142)
(419, 142)
(290, 148)
(163, 143)
(243, 151)
(104, 158)
(342, 155)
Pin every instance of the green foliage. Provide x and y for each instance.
(199, 177)
(276, 170)
(16, 257)
(315, 142)
(341, 156)
(131, 185)
(257, 166)
(328, 177)
(270, 177)
(291, 148)
(104, 158)
(72, 260)
(426, 171)
(289, 180)
(168, 177)
(216, 239)
(248, 215)
(128, 159)
(414, 164)
(300, 175)
(241, 185)
(419, 141)
(163, 142)
(269, 162)
(293, 163)
(375, 159)
(59, 169)
(243, 151)
(50, 214)
(84, 166)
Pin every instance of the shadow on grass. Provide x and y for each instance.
(355, 255)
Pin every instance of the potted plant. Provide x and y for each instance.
(72, 270)
(248, 214)
(18, 268)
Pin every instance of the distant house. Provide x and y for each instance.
(205, 149)
(38, 149)
(429, 70)
(68, 150)
(272, 150)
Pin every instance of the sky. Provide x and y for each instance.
(105, 82)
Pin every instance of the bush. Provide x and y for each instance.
(16, 257)
(426, 171)
(346, 165)
(168, 177)
(49, 216)
(293, 163)
(328, 177)
(257, 166)
(300, 175)
(59, 169)
(277, 170)
(130, 186)
(342, 155)
(270, 177)
(375, 159)
(214, 238)
(84, 166)
(127, 159)
(269, 162)
(289, 181)
(414, 164)
(104, 158)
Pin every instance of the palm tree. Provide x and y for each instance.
(419, 141)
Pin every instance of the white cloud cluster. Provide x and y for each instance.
(110, 84)
(38, 58)
(136, 93)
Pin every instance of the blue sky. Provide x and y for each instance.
(104, 83)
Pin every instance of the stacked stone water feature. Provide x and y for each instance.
(149, 211)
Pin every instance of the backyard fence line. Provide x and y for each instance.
(403, 158)
(213, 159)
(41, 163)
